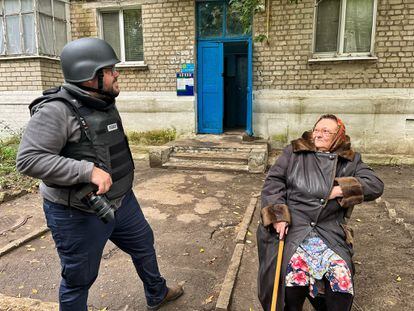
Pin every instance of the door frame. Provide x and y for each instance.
(249, 102)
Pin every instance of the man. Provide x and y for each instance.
(76, 145)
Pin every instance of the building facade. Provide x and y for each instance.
(347, 57)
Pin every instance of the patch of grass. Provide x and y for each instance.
(154, 137)
(8, 152)
(10, 179)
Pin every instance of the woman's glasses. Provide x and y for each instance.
(323, 132)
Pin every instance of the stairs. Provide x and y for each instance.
(227, 152)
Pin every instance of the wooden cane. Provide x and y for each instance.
(277, 275)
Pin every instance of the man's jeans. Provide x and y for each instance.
(80, 238)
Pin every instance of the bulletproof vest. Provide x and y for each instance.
(103, 141)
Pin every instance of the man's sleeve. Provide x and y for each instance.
(47, 132)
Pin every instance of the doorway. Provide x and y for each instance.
(235, 85)
(224, 68)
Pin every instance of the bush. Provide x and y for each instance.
(8, 153)
(154, 137)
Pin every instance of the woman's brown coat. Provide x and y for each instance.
(296, 190)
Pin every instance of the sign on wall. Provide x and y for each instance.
(185, 84)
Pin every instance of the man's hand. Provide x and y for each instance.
(336, 193)
(102, 179)
(281, 228)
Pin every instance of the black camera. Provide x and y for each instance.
(98, 203)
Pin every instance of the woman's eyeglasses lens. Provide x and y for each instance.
(323, 132)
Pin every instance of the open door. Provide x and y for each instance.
(210, 87)
(249, 93)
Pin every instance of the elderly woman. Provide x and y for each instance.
(307, 198)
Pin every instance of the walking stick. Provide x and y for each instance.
(277, 275)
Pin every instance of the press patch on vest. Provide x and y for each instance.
(112, 127)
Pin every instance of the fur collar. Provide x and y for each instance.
(305, 144)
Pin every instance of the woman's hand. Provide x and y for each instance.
(336, 193)
(281, 228)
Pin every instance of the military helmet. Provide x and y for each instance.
(82, 58)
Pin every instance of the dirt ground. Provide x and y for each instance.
(384, 251)
(194, 216)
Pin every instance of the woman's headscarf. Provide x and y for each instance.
(340, 136)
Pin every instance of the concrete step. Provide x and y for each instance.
(233, 157)
(243, 148)
(198, 165)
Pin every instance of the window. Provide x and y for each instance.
(122, 29)
(221, 19)
(344, 28)
(33, 27)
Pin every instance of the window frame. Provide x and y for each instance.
(36, 17)
(339, 54)
(120, 10)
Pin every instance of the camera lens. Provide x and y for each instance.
(102, 207)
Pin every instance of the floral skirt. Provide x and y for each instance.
(312, 261)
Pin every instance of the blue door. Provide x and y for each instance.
(249, 95)
(210, 87)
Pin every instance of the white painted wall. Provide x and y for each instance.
(140, 111)
(377, 120)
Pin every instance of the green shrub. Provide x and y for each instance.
(154, 137)
(8, 153)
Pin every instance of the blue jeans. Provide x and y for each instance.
(80, 238)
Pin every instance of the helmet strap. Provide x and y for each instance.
(100, 76)
(99, 90)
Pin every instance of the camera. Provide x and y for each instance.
(98, 203)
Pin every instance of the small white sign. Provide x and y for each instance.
(112, 127)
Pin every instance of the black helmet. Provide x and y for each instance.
(81, 59)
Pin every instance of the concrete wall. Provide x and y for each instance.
(377, 120)
(140, 111)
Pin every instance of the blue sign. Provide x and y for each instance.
(185, 84)
(187, 68)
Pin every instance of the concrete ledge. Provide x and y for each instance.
(159, 155)
(17, 243)
(388, 159)
(26, 304)
(368, 158)
(257, 160)
(224, 298)
(246, 220)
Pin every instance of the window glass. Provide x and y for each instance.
(46, 35)
(13, 35)
(234, 25)
(29, 34)
(110, 29)
(59, 9)
(358, 26)
(133, 35)
(11, 7)
(27, 5)
(61, 35)
(210, 19)
(2, 46)
(327, 25)
(45, 6)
